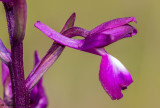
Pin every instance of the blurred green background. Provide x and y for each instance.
(72, 82)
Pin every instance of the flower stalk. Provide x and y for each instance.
(17, 74)
(16, 13)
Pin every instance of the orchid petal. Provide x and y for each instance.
(113, 24)
(113, 76)
(108, 37)
(73, 43)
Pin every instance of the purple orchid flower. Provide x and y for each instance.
(7, 86)
(113, 75)
(25, 93)
(38, 97)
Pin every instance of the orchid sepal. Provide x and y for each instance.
(52, 55)
(113, 24)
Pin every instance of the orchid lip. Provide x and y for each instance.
(114, 76)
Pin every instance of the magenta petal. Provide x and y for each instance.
(73, 43)
(113, 76)
(96, 41)
(108, 37)
(113, 24)
(121, 32)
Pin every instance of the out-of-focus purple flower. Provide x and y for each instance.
(38, 96)
(6, 81)
(4, 53)
(113, 75)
